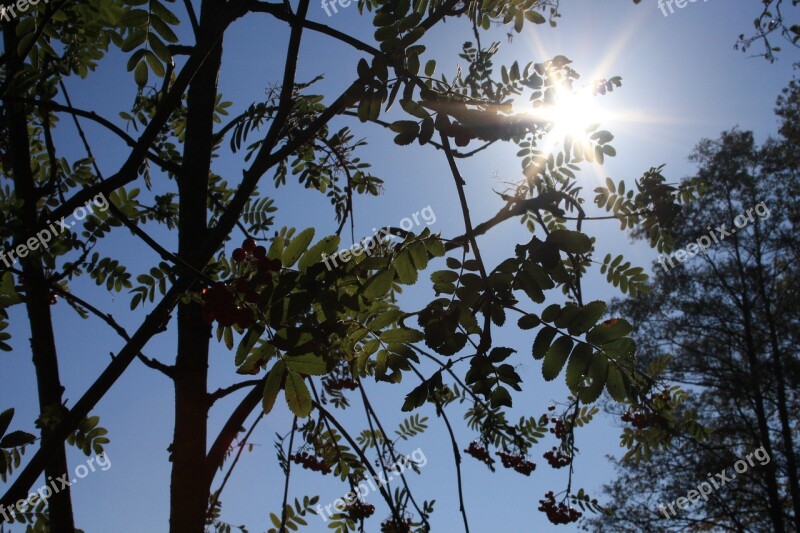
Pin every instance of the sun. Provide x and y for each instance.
(573, 113)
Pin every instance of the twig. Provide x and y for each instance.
(288, 471)
(235, 461)
(221, 393)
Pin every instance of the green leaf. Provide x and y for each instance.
(310, 364)
(140, 74)
(405, 138)
(416, 398)
(430, 67)
(598, 369)
(155, 63)
(419, 255)
(615, 383)
(535, 17)
(578, 365)
(573, 242)
(296, 247)
(297, 395)
(528, 321)
(17, 438)
(247, 343)
(5, 420)
(401, 335)
(542, 342)
(272, 385)
(134, 18)
(405, 268)
(556, 357)
(500, 397)
(327, 246)
(587, 317)
(379, 284)
(609, 331)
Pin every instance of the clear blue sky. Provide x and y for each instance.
(682, 81)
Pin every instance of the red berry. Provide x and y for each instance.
(244, 317)
(260, 252)
(249, 245)
(239, 255)
(251, 297)
(208, 315)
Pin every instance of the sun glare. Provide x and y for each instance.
(571, 115)
(574, 113)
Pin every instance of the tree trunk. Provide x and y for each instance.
(780, 380)
(189, 495)
(775, 507)
(37, 302)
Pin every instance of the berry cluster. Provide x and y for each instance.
(557, 459)
(310, 462)
(517, 462)
(478, 452)
(220, 304)
(220, 300)
(342, 383)
(249, 250)
(559, 513)
(390, 526)
(640, 420)
(559, 428)
(359, 510)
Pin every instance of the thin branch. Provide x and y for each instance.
(486, 333)
(457, 457)
(221, 393)
(167, 166)
(192, 18)
(386, 496)
(288, 472)
(218, 492)
(127, 222)
(368, 407)
(232, 427)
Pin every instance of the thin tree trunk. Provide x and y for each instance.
(779, 376)
(775, 507)
(37, 302)
(189, 495)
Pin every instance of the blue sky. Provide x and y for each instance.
(682, 81)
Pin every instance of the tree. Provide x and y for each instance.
(724, 325)
(774, 21)
(298, 324)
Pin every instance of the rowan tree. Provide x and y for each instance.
(294, 327)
